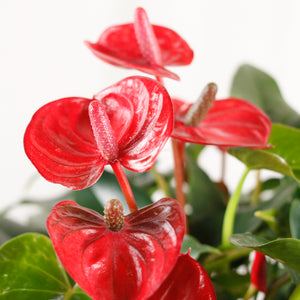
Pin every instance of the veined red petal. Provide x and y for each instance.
(126, 264)
(118, 45)
(71, 140)
(60, 143)
(259, 272)
(188, 280)
(229, 123)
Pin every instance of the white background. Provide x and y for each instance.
(43, 58)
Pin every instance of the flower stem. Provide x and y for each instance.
(179, 170)
(178, 152)
(250, 292)
(125, 187)
(160, 180)
(228, 222)
(257, 190)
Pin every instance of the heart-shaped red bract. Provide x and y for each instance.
(188, 280)
(71, 140)
(127, 264)
(119, 45)
(229, 123)
(259, 272)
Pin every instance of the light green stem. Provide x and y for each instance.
(296, 293)
(160, 180)
(228, 222)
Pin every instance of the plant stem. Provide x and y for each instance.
(125, 187)
(257, 190)
(160, 180)
(178, 152)
(223, 166)
(250, 292)
(218, 261)
(179, 171)
(228, 222)
(276, 286)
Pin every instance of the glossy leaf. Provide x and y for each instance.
(229, 123)
(285, 250)
(246, 221)
(123, 46)
(206, 201)
(128, 264)
(195, 248)
(79, 294)
(285, 140)
(29, 269)
(188, 280)
(282, 157)
(295, 219)
(259, 159)
(67, 139)
(261, 89)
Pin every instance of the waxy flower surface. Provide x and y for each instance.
(259, 274)
(188, 280)
(229, 123)
(70, 140)
(142, 46)
(128, 263)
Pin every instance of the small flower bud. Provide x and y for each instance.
(113, 214)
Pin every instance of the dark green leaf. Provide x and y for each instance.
(295, 219)
(196, 248)
(87, 198)
(259, 88)
(207, 205)
(286, 250)
(79, 294)
(246, 221)
(29, 269)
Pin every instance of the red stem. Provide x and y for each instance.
(179, 170)
(125, 187)
(178, 152)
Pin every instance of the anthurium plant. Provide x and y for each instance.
(200, 240)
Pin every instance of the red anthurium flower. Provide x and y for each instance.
(142, 46)
(228, 123)
(188, 280)
(71, 140)
(259, 272)
(113, 257)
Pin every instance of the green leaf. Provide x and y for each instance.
(283, 157)
(87, 198)
(286, 144)
(256, 86)
(79, 294)
(29, 269)
(207, 207)
(261, 159)
(246, 221)
(285, 250)
(196, 248)
(295, 219)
